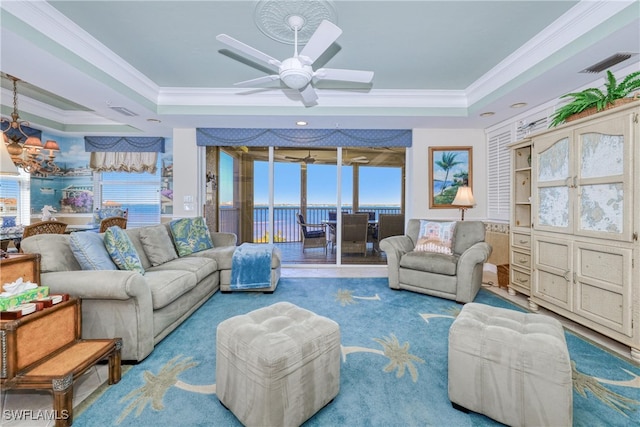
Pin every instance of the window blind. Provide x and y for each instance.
(137, 192)
(499, 174)
(18, 189)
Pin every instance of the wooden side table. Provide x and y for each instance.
(44, 351)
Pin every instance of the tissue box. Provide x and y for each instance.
(26, 296)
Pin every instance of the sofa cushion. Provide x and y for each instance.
(157, 244)
(54, 250)
(190, 235)
(167, 285)
(430, 262)
(436, 236)
(222, 255)
(200, 266)
(121, 250)
(89, 250)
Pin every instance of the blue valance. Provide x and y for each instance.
(15, 133)
(304, 137)
(130, 144)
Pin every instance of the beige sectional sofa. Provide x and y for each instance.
(142, 309)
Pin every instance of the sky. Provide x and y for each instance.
(378, 185)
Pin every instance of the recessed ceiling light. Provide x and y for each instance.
(154, 120)
(519, 105)
(301, 123)
(487, 114)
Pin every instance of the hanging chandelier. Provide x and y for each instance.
(27, 152)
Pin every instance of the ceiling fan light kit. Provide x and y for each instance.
(296, 72)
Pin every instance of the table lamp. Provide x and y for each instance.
(464, 200)
(7, 167)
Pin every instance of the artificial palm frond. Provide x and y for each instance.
(594, 97)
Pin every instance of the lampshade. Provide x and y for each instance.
(51, 145)
(464, 197)
(33, 142)
(7, 167)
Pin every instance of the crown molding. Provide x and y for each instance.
(577, 21)
(284, 97)
(40, 16)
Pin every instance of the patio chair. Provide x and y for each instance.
(389, 225)
(372, 228)
(313, 235)
(354, 233)
(111, 221)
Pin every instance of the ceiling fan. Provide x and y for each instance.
(296, 72)
(309, 159)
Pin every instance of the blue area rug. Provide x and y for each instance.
(175, 385)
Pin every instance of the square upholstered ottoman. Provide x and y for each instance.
(278, 365)
(510, 366)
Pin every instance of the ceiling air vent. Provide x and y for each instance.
(609, 62)
(123, 111)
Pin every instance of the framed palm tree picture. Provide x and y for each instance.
(449, 168)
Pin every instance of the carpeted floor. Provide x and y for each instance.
(175, 385)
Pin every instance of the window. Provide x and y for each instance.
(15, 198)
(139, 193)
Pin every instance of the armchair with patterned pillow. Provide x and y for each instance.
(439, 258)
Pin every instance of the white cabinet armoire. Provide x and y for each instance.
(585, 221)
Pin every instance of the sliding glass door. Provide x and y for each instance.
(291, 196)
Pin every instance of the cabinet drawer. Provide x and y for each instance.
(521, 259)
(521, 239)
(520, 279)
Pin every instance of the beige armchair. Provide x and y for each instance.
(457, 276)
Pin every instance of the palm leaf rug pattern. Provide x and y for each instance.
(606, 388)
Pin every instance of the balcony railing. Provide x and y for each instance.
(286, 227)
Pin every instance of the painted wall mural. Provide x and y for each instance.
(72, 190)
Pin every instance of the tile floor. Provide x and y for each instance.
(19, 408)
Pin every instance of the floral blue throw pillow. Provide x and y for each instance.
(190, 235)
(121, 250)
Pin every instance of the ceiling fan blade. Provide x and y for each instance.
(358, 76)
(320, 41)
(258, 81)
(309, 96)
(237, 45)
